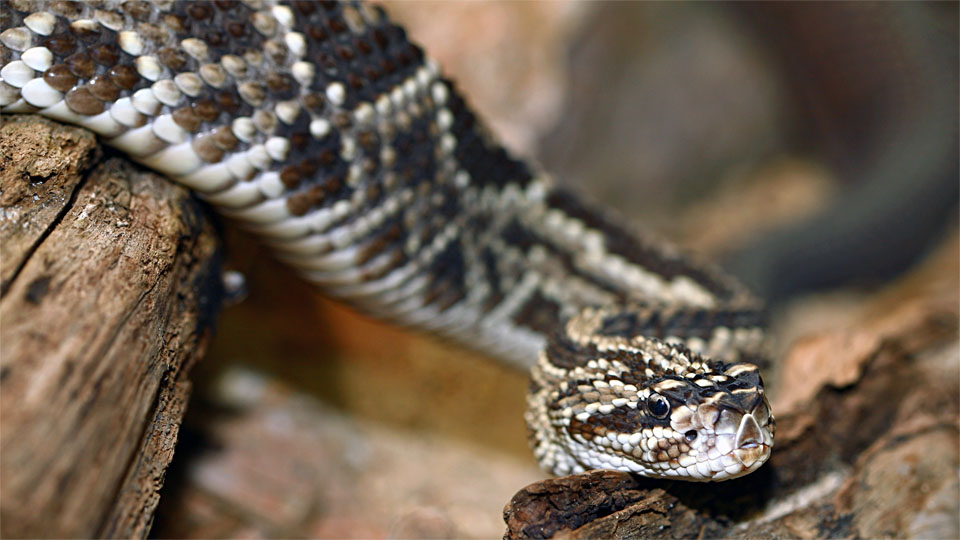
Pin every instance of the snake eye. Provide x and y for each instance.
(658, 406)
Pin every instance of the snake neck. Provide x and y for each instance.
(323, 129)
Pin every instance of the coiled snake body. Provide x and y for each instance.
(321, 128)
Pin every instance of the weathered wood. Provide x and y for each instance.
(866, 445)
(110, 279)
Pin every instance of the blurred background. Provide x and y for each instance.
(809, 148)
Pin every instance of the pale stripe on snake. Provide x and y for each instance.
(321, 128)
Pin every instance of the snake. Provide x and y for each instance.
(321, 128)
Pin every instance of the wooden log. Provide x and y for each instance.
(109, 281)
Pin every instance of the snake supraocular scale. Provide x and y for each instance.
(321, 128)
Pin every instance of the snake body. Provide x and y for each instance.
(321, 128)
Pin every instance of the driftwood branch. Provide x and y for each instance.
(110, 279)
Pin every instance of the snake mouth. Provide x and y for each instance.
(752, 444)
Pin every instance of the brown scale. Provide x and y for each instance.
(281, 85)
(308, 167)
(80, 65)
(61, 44)
(86, 33)
(305, 7)
(217, 39)
(103, 88)
(177, 22)
(238, 30)
(106, 54)
(228, 101)
(226, 5)
(70, 10)
(140, 10)
(82, 101)
(152, 32)
(290, 176)
(224, 138)
(199, 11)
(313, 102)
(186, 118)
(207, 149)
(373, 248)
(275, 50)
(397, 259)
(172, 57)
(317, 33)
(60, 78)
(300, 140)
(126, 77)
(206, 110)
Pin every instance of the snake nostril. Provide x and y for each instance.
(691, 435)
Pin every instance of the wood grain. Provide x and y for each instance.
(110, 283)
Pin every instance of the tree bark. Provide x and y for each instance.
(109, 282)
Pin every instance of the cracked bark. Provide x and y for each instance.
(109, 280)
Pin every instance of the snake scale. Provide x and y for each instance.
(321, 128)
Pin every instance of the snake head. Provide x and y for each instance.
(651, 408)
